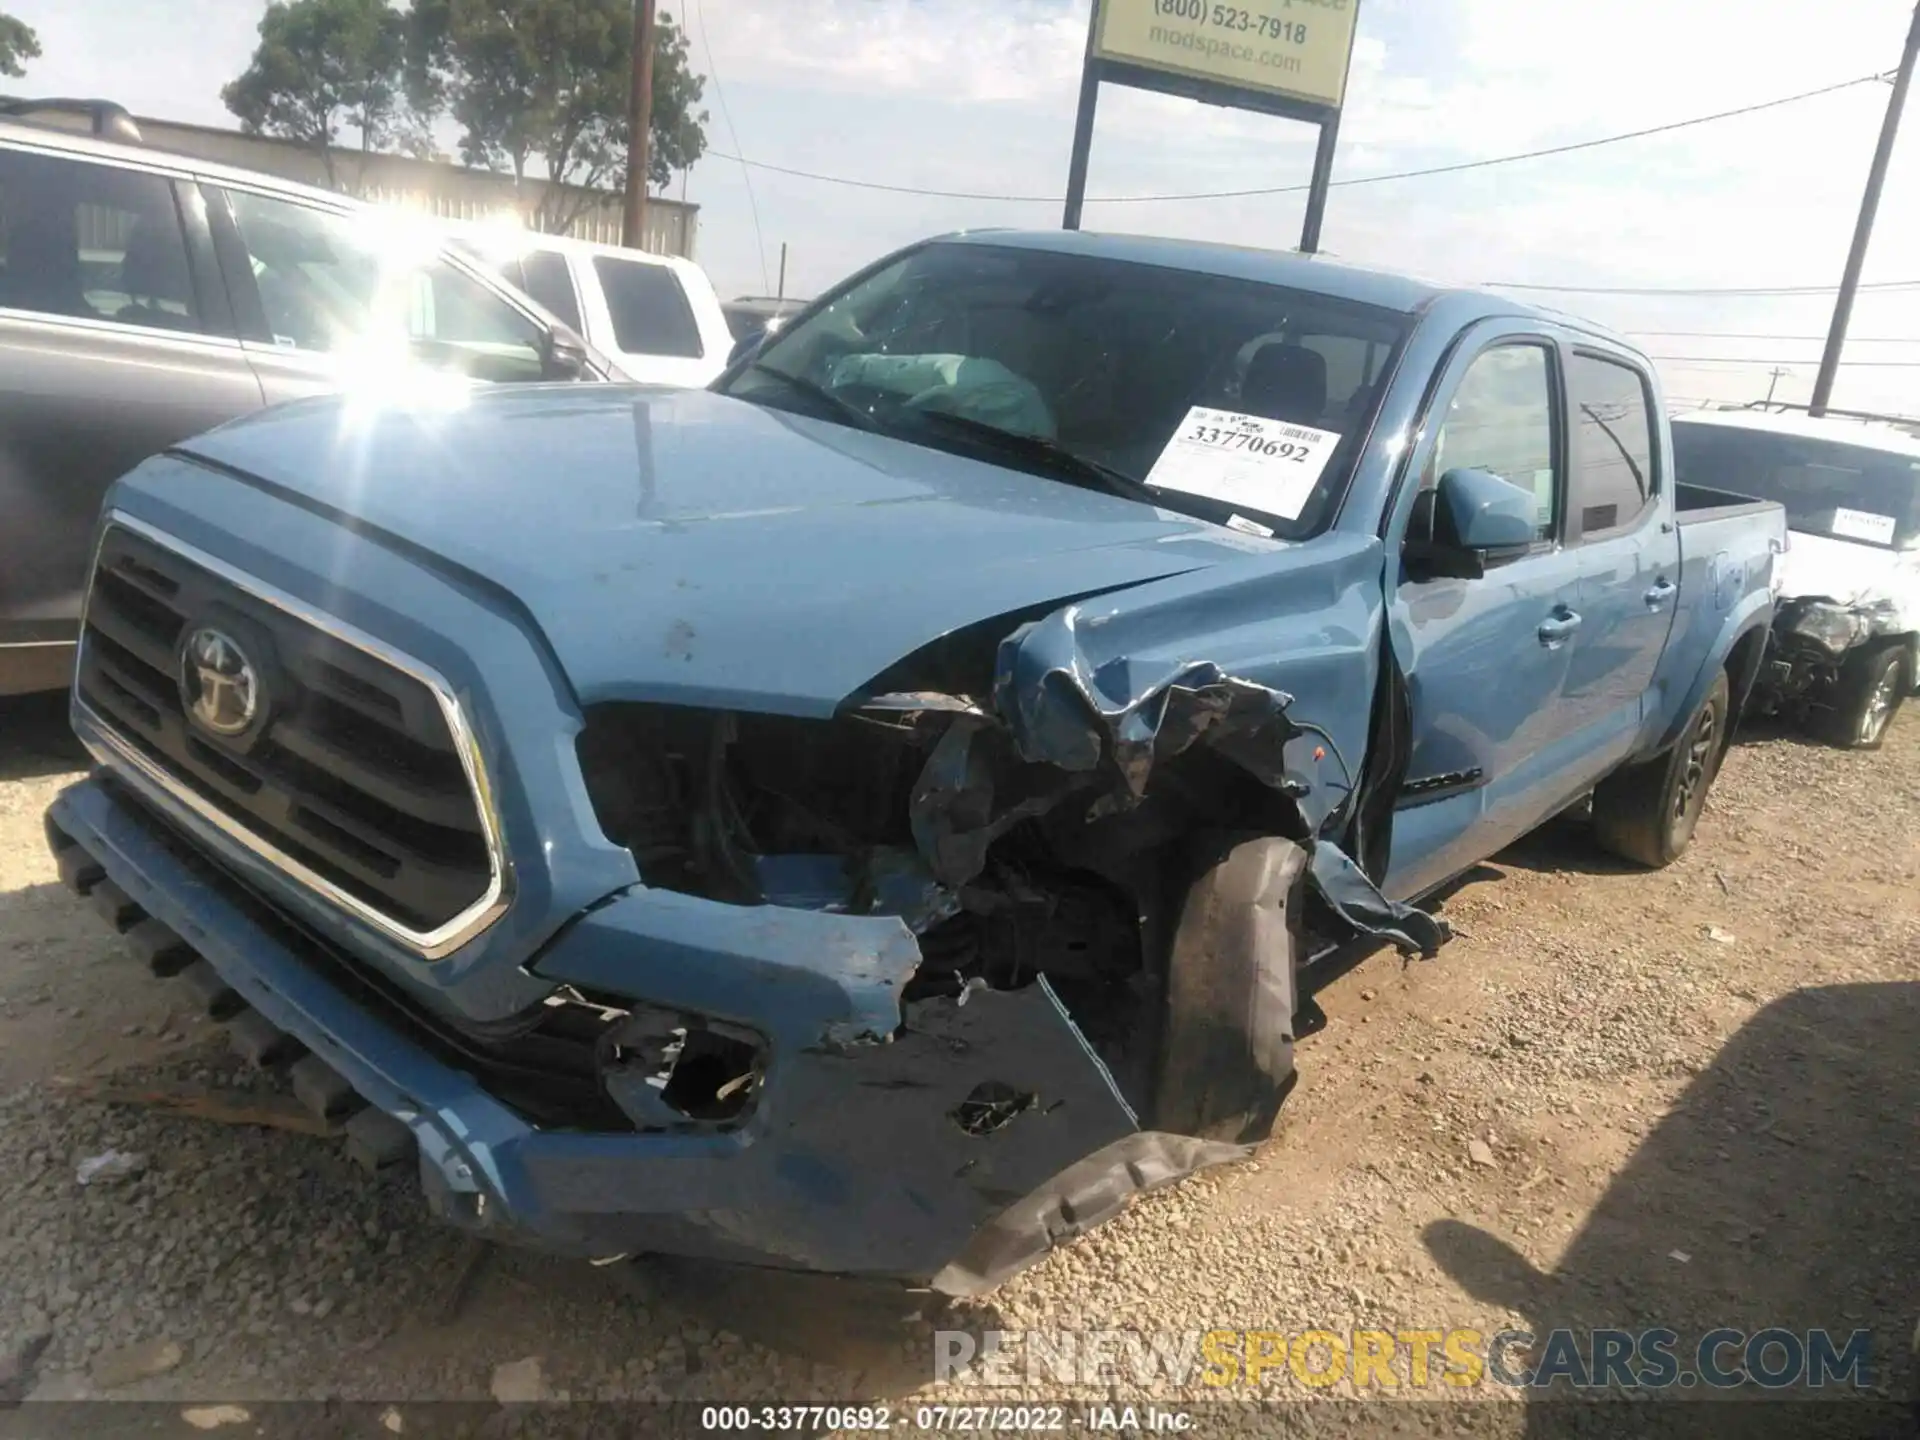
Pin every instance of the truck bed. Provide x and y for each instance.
(1693, 504)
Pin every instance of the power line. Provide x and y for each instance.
(1292, 189)
(753, 204)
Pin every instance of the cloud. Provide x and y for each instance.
(980, 95)
(981, 51)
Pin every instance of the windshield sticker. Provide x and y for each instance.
(1249, 527)
(1863, 525)
(1245, 460)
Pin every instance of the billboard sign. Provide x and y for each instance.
(1290, 49)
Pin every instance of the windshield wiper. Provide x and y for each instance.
(819, 394)
(1037, 449)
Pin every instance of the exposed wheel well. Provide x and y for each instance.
(1743, 668)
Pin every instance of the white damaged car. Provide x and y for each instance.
(1845, 651)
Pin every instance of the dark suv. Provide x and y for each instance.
(145, 297)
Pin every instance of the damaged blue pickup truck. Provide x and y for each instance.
(870, 816)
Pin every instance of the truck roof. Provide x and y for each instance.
(1384, 288)
(1868, 434)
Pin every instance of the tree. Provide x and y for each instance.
(322, 64)
(542, 84)
(678, 133)
(18, 44)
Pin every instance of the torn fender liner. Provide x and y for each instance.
(887, 1151)
(1084, 1195)
(1358, 901)
(1226, 1043)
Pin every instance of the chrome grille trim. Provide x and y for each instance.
(119, 755)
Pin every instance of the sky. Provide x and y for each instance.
(979, 96)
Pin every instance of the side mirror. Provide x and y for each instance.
(563, 354)
(1468, 523)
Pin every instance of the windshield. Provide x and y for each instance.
(1238, 402)
(1829, 487)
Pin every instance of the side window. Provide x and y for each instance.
(1613, 478)
(93, 242)
(1501, 419)
(333, 283)
(547, 281)
(649, 309)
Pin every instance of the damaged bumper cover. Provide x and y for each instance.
(850, 1115)
(951, 1142)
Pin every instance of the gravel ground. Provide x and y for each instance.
(1628, 1099)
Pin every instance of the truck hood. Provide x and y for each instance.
(1850, 574)
(688, 548)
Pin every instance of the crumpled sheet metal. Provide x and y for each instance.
(1063, 711)
(1358, 901)
(1067, 725)
(1081, 1197)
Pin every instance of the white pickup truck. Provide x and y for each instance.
(656, 316)
(1845, 651)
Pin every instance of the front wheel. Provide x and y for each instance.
(1873, 684)
(1647, 812)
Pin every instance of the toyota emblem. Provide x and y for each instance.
(218, 682)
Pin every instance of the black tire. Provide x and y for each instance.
(1226, 1039)
(1647, 812)
(1873, 685)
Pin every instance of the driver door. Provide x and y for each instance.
(1487, 658)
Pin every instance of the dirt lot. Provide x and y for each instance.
(1618, 1099)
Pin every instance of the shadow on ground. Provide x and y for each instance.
(1782, 1191)
(35, 738)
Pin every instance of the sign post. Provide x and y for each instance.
(1287, 58)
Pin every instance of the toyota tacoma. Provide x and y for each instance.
(872, 816)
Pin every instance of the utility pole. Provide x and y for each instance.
(1775, 375)
(783, 272)
(639, 127)
(1863, 229)
(1083, 127)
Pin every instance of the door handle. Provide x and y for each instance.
(1663, 590)
(1558, 627)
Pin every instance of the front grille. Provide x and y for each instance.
(351, 770)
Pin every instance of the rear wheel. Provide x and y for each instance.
(1873, 684)
(1647, 812)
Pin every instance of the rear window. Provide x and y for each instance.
(650, 312)
(1846, 492)
(1613, 479)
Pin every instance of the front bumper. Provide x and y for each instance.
(854, 1160)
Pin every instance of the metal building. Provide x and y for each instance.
(444, 189)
